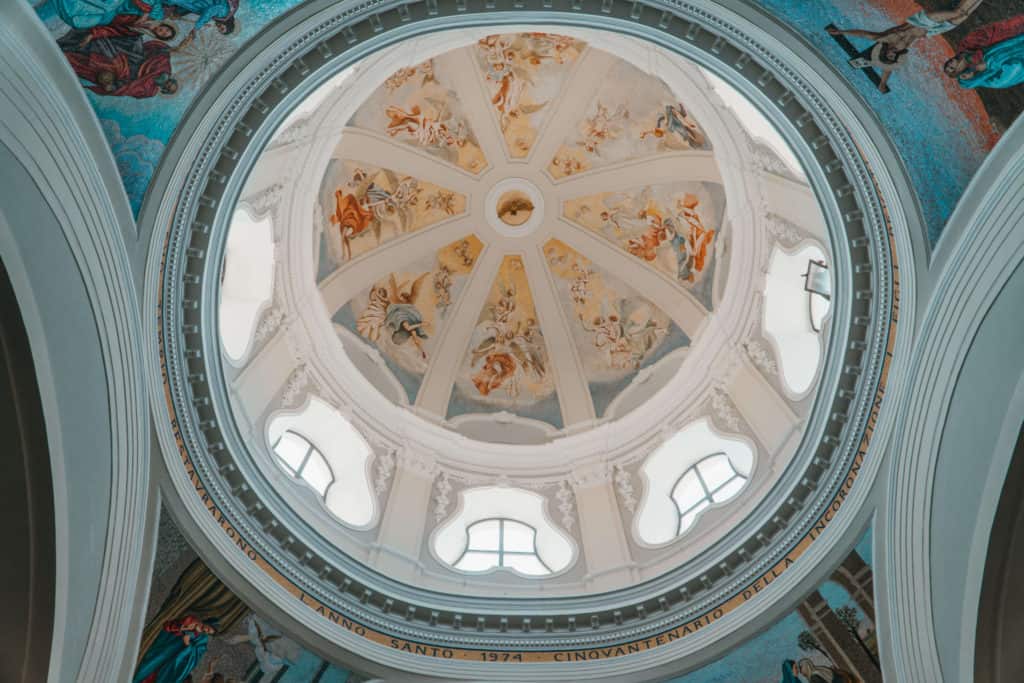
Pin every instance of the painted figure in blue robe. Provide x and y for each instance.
(176, 652)
(83, 14)
(991, 56)
(676, 128)
(806, 671)
(220, 12)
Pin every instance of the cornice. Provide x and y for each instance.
(859, 189)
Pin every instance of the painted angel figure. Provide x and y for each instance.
(511, 80)
(603, 126)
(392, 309)
(429, 129)
(272, 651)
(806, 670)
(579, 287)
(691, 240)
(509, 350)
(676, 128)
(625, 336)
(393, 205)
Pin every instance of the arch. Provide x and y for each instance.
(247, 281)
(344, 453)
(554, 548)
(792, 319)
(659, 519)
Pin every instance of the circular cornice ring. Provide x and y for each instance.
(660, 621)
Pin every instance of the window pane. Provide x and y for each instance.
(484, 535)
(317, 473)
(716, 470)
(291, 449)
(819, 309)
(690, 517)
(729, 490)
(688, 491)
(477, 562)
(518, 537)
(526, 564)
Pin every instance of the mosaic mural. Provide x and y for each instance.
(675, 228)
(944, 77)
(418, 107)
(364, 206)
(830, 638)
(615, 330)
(198, 631)
(624, 123)
(506, 366)
(524, 73)
(403, 314)
(141, 69)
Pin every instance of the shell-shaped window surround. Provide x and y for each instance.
(503, 528)
(342, 451)
(695, 469)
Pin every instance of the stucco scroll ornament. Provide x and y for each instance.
(299, 380)
(723, 408)
(266, 200)
(588, 476)
(566, 506)
(624, 485)
(442, 496)
(271, 320)
(385, 468)
(761, 357)
(768, 161)
(782, 230)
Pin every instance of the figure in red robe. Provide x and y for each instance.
(117, 60)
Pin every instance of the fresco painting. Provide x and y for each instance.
(142, 69)
(403, 313)
(829, 638)
(198, 631)
(506, 366)
(417, 106)
(615, 330)
(675, 228)
(621, 124)
(944, 78)
(524, 73)
(366, 206)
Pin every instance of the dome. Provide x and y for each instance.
(522, 341)
(522, 327)
(531, 260)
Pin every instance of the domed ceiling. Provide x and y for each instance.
(536, 279)
(516, 317)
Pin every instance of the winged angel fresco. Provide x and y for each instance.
(510, 349)
(371, 201)
(392, 310)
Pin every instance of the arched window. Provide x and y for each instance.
(694, 469)
(797, 296)
(503, 527)
(303, 461)
(710, 481)
(247, 281)
(502, 543)
(340, 450)
(818, 286)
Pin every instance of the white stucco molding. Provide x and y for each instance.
(47, 123)
(990, 246)
(843, 116)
